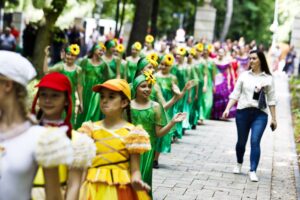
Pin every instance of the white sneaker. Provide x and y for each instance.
(237, 169)
(253, 177)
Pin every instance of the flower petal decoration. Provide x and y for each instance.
(149, 39)
(149, 77)
(193, 51)
(153, 56)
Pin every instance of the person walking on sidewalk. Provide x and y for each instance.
(253, 91)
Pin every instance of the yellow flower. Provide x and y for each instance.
(116, 41)
(102, 46)
(153, 56)
(181, 51)
(74, 49)
(152, 62)
(149, 38)
(120, 48)
(193, 51)
(210, 48)
(168, 59)
(149, 77)
(137, 46)
(200, 47)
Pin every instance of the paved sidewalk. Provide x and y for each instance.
(200, 165)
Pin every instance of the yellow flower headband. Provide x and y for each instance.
(137, 46)
(181, 51)
(200, 47)
(120, 48)
(149, 77)
(153, 56)
(74, 49)
(193, 51)
(149, 38)
(168, 59)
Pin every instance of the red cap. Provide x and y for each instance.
(59, 82)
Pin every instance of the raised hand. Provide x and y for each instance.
(47, 50)
(138, 184)
(179, 117)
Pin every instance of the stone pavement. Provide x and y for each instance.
(200, 165)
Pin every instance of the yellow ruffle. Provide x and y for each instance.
(87, 128)
(108, 176)
(137, 141)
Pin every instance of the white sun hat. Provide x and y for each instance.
(16, 67)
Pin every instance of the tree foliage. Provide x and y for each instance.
(251, 19)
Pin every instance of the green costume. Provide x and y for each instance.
(91, 75)
(208, 95)
(149, 118)
(74, 77)
(131, 70)
(182, 105)
(163, 144)
(193, 111)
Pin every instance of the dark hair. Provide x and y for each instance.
(91, 51)
(263, 61)
(128, 108)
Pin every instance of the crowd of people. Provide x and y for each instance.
(121, 113)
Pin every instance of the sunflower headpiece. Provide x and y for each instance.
(73, 49)
(137, 46)
(181, 51)
(209, 47)
(168, 59)
(153, 56)
(149, 77)
(200, 47)
(120, 48)
(149, 39)
(193, 51)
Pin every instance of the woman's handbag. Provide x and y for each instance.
(262, 104)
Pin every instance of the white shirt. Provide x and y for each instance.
(245, 87)
(18, 163)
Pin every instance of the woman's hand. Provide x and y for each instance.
(273, 125)
(225, 114)
(138, 184)
(190, 100)
(204, 89)
(189, 85)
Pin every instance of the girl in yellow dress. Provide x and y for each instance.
(115, 173)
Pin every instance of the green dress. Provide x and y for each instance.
(208, 95)
(193, 111)
(149, 118)
(131, 70)
(113, 68)
(163, 144)
(91, 75)
(201, 72)
(74, 77)
(182, 105)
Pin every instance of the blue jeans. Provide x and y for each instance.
(255, 120)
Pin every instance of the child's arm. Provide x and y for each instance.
(74, 183)
(136, 178)
(161, 131)
(52, 185)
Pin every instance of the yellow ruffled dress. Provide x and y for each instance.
(109, 176)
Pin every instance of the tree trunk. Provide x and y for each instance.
(154, 16)
(44, 34)
(117, 18)
(227, 22)
(140, 23)
(122, 17)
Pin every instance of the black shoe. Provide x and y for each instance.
(194, 127)
(155, 164)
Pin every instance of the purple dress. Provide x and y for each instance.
(243, 64)
(221, 95)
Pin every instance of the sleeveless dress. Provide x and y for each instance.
(74, 77)
(163, 144)
(91, 75)
(201, 72)
(109, 176)
(149, 118)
